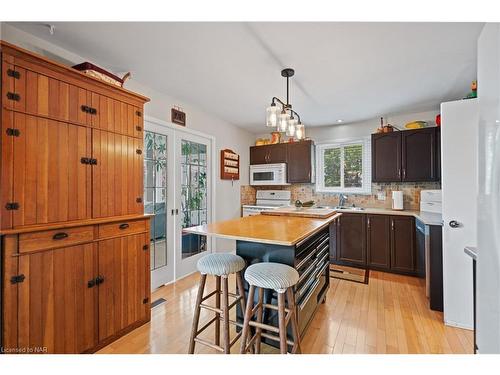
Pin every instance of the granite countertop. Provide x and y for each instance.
(428, 218)
(278, 230)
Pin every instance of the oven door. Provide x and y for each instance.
(268, 174)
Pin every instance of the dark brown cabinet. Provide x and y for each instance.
(419, 155)
(300, 161)
(351, 246)
(297, 155)
(386, 157)
(403, 244)
(378, 241)
(381, 242)
(408, 156)
(269, 154)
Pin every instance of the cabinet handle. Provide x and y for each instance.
(123, 226)
(85, 108)
(99, 280)
(404, 173)
(13, 96)
(399, 173)
(392, 224)
(368, 222)
(60, 236)
(91, 283)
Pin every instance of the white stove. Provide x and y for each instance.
(267, 200)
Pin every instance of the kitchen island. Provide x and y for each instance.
(303, 243)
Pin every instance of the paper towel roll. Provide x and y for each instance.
(397, 200)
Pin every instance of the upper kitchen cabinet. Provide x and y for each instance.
(386, 157)
(420, 154)
(407, 156)
(297, 155)
(300, 161)
(269, 154)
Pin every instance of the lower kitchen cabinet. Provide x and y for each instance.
(73, 293)
(382, 242)
(403, 244)
(378, 241)
(351, 244)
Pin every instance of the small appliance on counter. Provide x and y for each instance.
(397, 200)
(268, 200)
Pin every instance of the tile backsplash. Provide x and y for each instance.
(305, 192)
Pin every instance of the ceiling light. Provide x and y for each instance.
(283, 117)
(340, 121)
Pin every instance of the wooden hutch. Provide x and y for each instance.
(75, 240)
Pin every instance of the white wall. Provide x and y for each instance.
(227, 135)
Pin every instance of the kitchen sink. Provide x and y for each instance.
(347, 208)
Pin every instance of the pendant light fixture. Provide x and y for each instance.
(282, 116)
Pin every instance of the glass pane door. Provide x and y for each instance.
(194, 199)
(156, 201)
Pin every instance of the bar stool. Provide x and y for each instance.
(280, 278)
(220, 266)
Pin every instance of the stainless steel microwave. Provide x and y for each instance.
(268, 174)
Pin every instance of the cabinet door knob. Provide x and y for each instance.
(454, 224)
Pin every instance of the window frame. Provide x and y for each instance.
(366, 187)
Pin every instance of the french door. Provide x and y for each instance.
(177, 190)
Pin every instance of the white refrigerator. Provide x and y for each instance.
(488, 223)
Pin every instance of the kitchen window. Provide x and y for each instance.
(344, 166)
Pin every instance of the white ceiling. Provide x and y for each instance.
(349, 71)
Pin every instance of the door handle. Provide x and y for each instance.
(454, 224)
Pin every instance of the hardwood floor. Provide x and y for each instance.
(389, 315)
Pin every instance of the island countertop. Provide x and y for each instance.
(278, 230)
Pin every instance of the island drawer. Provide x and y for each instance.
(49, 239)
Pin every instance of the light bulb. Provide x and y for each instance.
(283, 121)
(272, 113)
(290, 130)
(300, 131)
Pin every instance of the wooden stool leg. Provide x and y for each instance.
(241, 291)
(282, 324)
(197, 309)
(246, 320)
(225, 314)
(217, 315)
(295, 326)
(260, 312)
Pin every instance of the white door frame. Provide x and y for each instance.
(166, 274)
(185, 267)
(160, 126)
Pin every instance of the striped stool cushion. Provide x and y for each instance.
(275, 276)
(220, 264)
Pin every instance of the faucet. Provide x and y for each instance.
(342, 200)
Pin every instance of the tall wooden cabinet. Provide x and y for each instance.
(75, 254)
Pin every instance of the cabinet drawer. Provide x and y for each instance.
(122, 227)
(48, 239)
